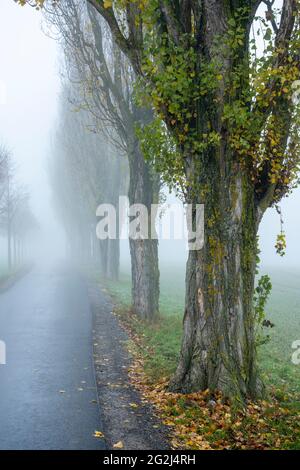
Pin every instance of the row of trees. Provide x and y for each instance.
(16, 218)
(215, 82)
(226, 98)
(86, 171)
(102, 82)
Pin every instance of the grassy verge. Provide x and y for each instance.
(8, 277)
(161, 340)
(5, 276)
(202, 421)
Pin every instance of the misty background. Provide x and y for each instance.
(29, 91)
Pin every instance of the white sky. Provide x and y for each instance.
(29, 73)
(29, 86)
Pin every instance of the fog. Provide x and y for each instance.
(99, 328)
(30, 85)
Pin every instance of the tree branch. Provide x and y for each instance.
(270, 14)
(281, 108)
(173, 25)
(129, 48)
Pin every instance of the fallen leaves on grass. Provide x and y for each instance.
(194, 424)
(205, 421)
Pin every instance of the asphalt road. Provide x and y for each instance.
(47, 387)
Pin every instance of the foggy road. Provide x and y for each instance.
(47, 388)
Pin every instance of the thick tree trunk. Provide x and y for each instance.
(218, 348)
(143, 189)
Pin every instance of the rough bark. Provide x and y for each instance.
(143, 189)
(218, 349)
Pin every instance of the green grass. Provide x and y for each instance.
(164, 337)
(7, 276)
(4, 274)
(161, 346)
(283, 310)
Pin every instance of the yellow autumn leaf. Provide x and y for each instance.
(107, 3)
(98, 434)
(118, 445)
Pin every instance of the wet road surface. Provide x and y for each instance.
(47, 387)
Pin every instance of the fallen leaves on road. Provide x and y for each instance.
(118, 445)
(98, 434)
(133, 405)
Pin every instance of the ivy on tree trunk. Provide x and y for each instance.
(228, 111)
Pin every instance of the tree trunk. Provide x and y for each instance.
(143, 189)
(218, 348)
(19, 251)
(103, 244)
(15, 241)
(113, 249)
(110, 258)
(113, 259)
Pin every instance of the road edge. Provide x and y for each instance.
(13, 278)
(129, 421)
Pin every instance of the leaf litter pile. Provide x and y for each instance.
(202, 421)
